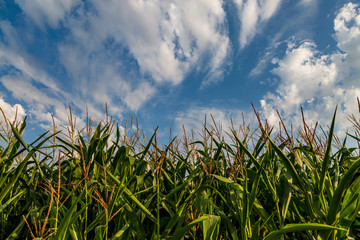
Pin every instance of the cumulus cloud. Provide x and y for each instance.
(253, 14)
(307, 74)
(319, 81)
(347, 35)
(11, 112)
(47, 11)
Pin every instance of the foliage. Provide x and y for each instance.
(104, 183)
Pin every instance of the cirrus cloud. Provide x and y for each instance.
(47, 11)
(162, 41)
(253, 14)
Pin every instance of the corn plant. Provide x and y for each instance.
(104, 183)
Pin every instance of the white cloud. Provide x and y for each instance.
(347, 34)
(119, 51)
(307, 2)
(9, 56)
(23, 78)
(47, 11)
(253, 14)
(11, 112)
(24, 90)
(218, 64)
(41, 103)
(31, 85)
(139, 96)
(167, 39)
(43, 97)
(307, 79)
(318, 81)
(261, 65)
(306, 74)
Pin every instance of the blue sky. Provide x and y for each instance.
(169, 63)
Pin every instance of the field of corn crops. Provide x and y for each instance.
(101, 182)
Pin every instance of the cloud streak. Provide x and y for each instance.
(253, 15)
(163, 41)
(40, 95)
(47, 12)
(127, 53)
(153, 44)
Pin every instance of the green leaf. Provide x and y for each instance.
(18, 137)
(223, 179)
(75, 232)
(242, 146)
(173, 221)
(131, 196)
(120, 232)
(290, 228)
(228, 224)
(255, 186)
(286, 198)
(2, 207)
(135, 223)
(66, 221)
(16, 233)
(211, 227)
(20, 169)
(351, 203)
(96, 221)
(288, 164)
(340, 190)
(99, 232)
(326, 161)
(182, 231)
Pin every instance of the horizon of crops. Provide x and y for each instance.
(101, 183)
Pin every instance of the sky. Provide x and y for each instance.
(170, 62)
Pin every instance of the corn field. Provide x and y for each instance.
(102, 182)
